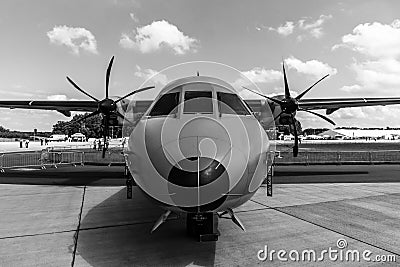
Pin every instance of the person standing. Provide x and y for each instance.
(99, 146)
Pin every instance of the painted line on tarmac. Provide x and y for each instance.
(329, 229)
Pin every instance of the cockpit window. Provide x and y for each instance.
(231, 104)
(167, 104)
(198, 102)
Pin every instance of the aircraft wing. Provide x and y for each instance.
(334, 104)
(61, 106)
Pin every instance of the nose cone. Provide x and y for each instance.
(202, 165)
(192, 164)
(201, 183)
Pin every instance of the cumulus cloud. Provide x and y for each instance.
(133, 17)
(256, 75)
(154, 75)
(374, 39)
(312, 67)
(285, 29)
(157, 35)
(349, 113)
(378, 74)
(262, 75)
(305, 27)
(74, 38)
(314, 27)
(367, 116)
(57, 97)
(246, 94)
(378, 70)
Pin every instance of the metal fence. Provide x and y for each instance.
(338, 157)
(46, 158)
(40, 159)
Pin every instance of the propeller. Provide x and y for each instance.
(290, 105)
(107, 106)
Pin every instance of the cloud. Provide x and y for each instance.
(355, 88)
(382, 74)
(154, 75)
(376, 77)
(74, 38)
(261, 75)
(133, 17)
(375, 40)
(284, 30)
(256, 75)
(305, 27)
(157, 35)
(314, 27)
(367, 116)
(312, 67)
(378, 70)
(246, 94)
(349, 113)
(57, 97)
(16, 93)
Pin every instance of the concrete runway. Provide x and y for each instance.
(90, 223)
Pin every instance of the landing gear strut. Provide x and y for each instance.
(129, 183)
(202, 226)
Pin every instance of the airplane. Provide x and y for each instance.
(198, 149)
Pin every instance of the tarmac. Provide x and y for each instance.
(79, 216)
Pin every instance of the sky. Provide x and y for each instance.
(357, 42)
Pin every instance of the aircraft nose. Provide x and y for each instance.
(205, 166)
(196, 171)
(192, 165)
(198, 184)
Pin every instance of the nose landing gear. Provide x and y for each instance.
(129, 183)
(203, 226)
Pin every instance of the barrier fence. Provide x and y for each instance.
(47, 158)
(40, 159)
(338, 157)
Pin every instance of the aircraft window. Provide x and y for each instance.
(167, 104)
(233, 104)
(198, 102)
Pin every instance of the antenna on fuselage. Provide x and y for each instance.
(198, 73)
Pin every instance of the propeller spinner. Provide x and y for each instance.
(290, 105)
(107, 106)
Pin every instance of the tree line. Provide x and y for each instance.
(91, 127)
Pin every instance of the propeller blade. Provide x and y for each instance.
(123, 117)
(296, 137)
(267, 97)
(309, 88)
(108, 75)
(135, 92)
(278, 115)
(78, 88)
(105, 134)
(287, 92)
(319, 115)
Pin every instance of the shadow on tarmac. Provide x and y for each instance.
(66, 175)
(116, 232)
(337, 174)
(114, 175)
